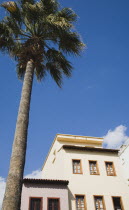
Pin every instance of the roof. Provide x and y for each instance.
(89, 148)
(79, 139)
(45, 181)
(80, 136)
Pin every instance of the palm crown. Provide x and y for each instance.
(43, 32)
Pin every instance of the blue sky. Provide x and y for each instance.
(93, 101)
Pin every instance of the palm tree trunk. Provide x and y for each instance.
(12, 197)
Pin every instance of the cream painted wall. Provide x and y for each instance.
(85, 183)
(124, 158)
(90, 185)
(54, 163)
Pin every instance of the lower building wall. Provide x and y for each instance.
(45, 192)
(95, 186)
(98, 185)
(90, 205)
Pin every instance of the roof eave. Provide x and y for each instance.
(46, 181)
(89, 149)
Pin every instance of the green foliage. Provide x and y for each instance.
(41, 31)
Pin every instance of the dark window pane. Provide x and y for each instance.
(117, 203)
(99, 205)
(80, 205)
(35, 204)
(93, 167)
(53, 204)
(76, 166)
(110, 169)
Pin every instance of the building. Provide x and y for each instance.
(94, 173)
(41, 194)
(124, 158)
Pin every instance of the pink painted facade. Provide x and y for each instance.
(44, 191)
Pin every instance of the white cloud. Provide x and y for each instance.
(2, 190)
(34, 175)
(115, 138)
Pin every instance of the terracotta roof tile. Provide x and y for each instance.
(45, 181)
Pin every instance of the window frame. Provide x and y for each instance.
(41, 198)
(53, 199)
(102, 201)
(98, 173)
(121, 202)
(114, 171)
(81, 172)
(85, 205)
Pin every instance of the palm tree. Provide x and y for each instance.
(39, 36)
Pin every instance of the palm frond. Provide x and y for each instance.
(16, 50)
(22, 2)
(70, 43)
(58, 22)
(12, 26)
(4, 30)
(59, 59)
(5, 45)
(40, 71)
(68, 14)
(55, 73)
(20, 68)
(10, 6)
(29, 11)
(32, 13)
(6, 38)
(50, 6)
(14, 10)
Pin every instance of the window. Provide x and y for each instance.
(53, 204)
(80, 202)
(35, 204)
(93, 168)
(110, 169)
(99, 203)
(117, 203)
(77, 169)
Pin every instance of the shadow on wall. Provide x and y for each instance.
(70, 198)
